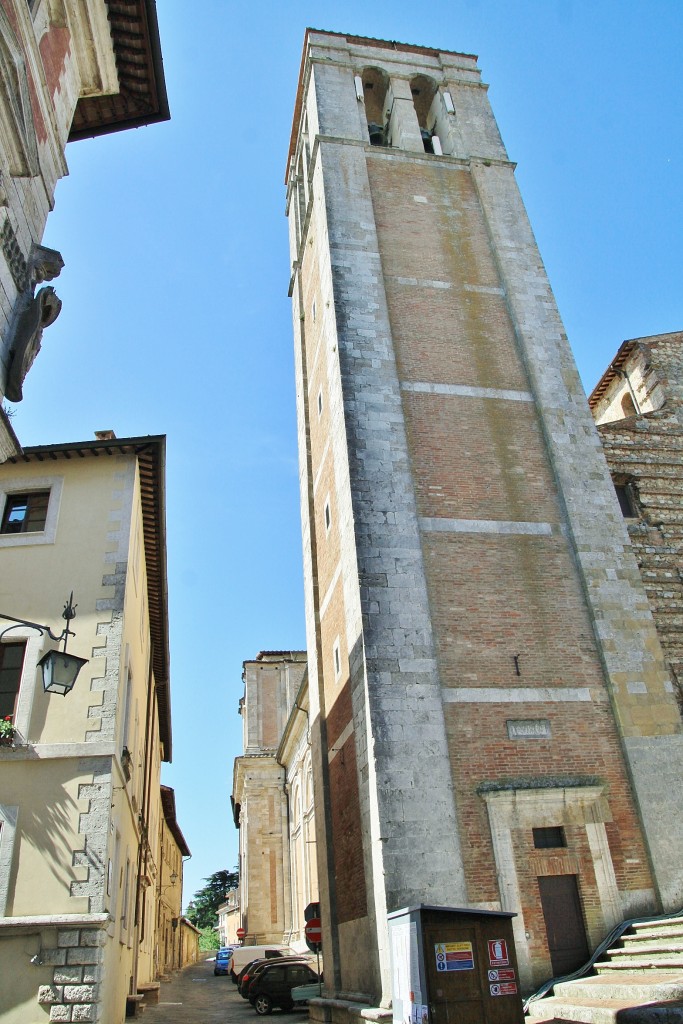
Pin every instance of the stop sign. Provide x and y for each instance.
(240, 933)
(313, 933)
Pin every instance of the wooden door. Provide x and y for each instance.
(564, 925)
(455, 996)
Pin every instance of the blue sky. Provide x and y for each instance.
(175, 314)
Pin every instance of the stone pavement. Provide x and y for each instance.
(196, 996)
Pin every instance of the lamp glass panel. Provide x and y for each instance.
(60, 671)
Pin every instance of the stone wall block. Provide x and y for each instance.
(84, 1012)
(48, 994)
(82, 955)
(54, 956)
(61, 1013)
(72, 975)
(79, 993)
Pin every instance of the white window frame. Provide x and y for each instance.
(8, 830)
(24, 485)
(35, 648)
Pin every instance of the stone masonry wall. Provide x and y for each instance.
(74, 994)
(647, 451)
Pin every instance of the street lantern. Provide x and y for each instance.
(59, 669)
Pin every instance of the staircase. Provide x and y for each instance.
(639, 980)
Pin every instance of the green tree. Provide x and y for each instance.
(208, 939)
(202, 909)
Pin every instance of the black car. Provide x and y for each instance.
(273, 985)
(245, 986)
(246, 974)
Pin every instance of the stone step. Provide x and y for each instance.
(647, 948)
(632, 987)
(665, 922)
(662, 934)
(646, 962)
(604, 1011)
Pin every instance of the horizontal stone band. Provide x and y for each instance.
(501, 526)
(465, 391)
(515, 694)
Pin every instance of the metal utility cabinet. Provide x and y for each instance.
(454, 966)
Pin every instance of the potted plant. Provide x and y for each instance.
(6, 731)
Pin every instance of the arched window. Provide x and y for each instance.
(424, 90)
(628, 405)
(295, 806)
(375, 86)
(308, 784)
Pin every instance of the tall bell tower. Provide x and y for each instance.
(492, 718)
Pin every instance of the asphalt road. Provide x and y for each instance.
(196, 996)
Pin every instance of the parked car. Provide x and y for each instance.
(273, 986)
(222, 960)
(242, 955)
(246, 975)
(247, 979)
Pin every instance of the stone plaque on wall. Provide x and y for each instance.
(528, 728)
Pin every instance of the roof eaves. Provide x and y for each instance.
(612, 371)
(142, 98)
(168, 806)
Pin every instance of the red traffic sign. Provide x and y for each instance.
(313, 932)
(240, 933)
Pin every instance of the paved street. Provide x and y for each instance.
(195, 996)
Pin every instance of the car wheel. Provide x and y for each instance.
(234, 977)
(263, 1005)
(215, 972)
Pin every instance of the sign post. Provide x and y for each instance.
(240, 933)
(314, 935)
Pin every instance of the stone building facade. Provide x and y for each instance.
(81, 815)
(67, 71)
(492, 720)
(638, 406)
(273, 801)
(172, 850)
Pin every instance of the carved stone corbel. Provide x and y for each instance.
(33, 314)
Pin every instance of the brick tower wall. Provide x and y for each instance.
(483, 658)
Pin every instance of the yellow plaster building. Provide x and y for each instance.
(170, 888)
(81, 820)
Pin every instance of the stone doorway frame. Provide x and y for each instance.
(515, 809)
